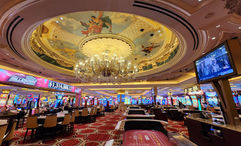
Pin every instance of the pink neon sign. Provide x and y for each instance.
(14, 77)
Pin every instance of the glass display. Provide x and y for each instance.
(215, 64)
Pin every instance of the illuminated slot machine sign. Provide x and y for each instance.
(105, 101)
(139, 100)
(134, 101)
(188, 100)
(95, 101)
(144, 101)
(100, 100)
(110, 100)
(193, 92)
(169, 100)
(59, 86)
(59, 100)
(164, 101)
(174, 99)
(159, 99)
(11, 99)
(4, 97)
(212, 98)
(194, 101)
(128, 99)
(239, 100)
(65, 100)
(83, 100)
(181, 99)
(18, 78)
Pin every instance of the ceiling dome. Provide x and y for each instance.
(61, 41)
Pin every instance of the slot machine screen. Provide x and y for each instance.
(164, 101)
(194, 101)
(169, 102)
(188, 100)
(3, 99)
(110, 101)
(174, 99)
(212, 99)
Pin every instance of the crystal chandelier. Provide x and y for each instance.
(105, 68)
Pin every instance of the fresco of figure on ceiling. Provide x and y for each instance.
(148, 49)
(96, 24)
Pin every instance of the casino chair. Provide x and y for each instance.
(92, 115)
(112, 108)
(32, 124)
(72, 121)
(84, 115)
(10, 135)
(63, 126)
(3, 129)
(49, 126)
(77, 116)
(102, 110)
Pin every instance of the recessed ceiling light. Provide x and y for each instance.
(61, 18)
(57, 21)
(218, 26)
(213, 38)
(239, 27)
(199, 0)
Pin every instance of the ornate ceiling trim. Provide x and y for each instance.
(172, 15)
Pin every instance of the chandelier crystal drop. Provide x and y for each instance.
(105, 68)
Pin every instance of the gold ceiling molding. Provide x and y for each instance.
(179, 80)
(146, 45)
(99, 89)
(137, 94)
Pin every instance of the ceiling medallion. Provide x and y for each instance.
(105, 69)
(99, 43)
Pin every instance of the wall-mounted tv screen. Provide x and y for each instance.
(218, 63)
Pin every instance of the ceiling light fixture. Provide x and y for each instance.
(213, 38)
(239, 27)
(218, 26)
(105, 69)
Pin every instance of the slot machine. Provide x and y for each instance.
(194, 101)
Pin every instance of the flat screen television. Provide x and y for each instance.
(221, 62)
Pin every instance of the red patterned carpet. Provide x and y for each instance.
(177, 126)
(90, 134)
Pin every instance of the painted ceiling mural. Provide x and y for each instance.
(63, 40)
